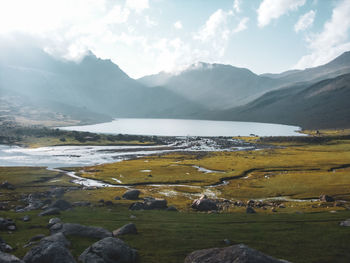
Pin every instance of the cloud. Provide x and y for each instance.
(332, 41)
(216, 21)
(305, 21)
(150, 22)
(137, 5)
(273, 9)
(242, 25)
(237, 6)
(178, 25)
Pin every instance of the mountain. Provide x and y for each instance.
(336, 67)
(215, 86)
(324, 104)
(92, 85)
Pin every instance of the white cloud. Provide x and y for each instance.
(237, 6)
(137, 5)
(305, 21)
(332, 41)
(213, 24)
(150, 22)
(273, 9)
(242, 25)
(178, 25)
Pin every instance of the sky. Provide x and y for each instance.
(148, 36)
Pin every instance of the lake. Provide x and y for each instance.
(178, 127)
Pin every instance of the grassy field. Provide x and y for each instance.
(306, 230)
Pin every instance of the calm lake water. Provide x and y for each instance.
(176, 127)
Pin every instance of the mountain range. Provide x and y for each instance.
(95, 90)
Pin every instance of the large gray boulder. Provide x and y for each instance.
(204, 204)
(50, 211)
(345, 222)
(52, 249)
(149, 204)
(61, 204)
(80, 230)
(7, 258)
(233, 254)
(125, 230)
(131, 194)
(109, 250)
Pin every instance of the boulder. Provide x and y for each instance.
(237, 254)
(5, 247)
(149, 204)
(109, 250)
(7, 224)
(61, 205)
(345, 223)
(7, 185)
(53, 221)
(26, 218)
(250, 210)
(57, 192)
(131, 194)
(50, 211)
(7, 258)
(50, 249)
(36, 237)
(81, 203)
(126, 229)
(80, 230)
(204, 204)
(326, 198)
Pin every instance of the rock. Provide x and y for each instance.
(7, 258)
(326, 198)
(50, 211)
(125, 230)
(5, 247)
(345, 223)
(227, 242)
(108, 203)
(26, 218)
(109, 250)
(53, 221)
(37, 237)
(61, 204)
(204, 204)
(172, 208)
(57, 192)
(80, 230)
(131, 194)
(117, 198)
(7, 224)
(237, 254)
(7, 185)
(149, 204)
(51, 249)
(81, 203)
(273, 210)
(250, 210)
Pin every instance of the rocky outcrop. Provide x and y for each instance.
(7, 224)
(125, 230)
(326, 198)
(237, 254)
(149, 204)
(7, 258)
(51, 249)
(5, 247)
(204, 204)
(250, 210)
(80, 230)
(7, 185)
(131, 194)
(109, 250)
(50, 211)
(345, 222)
(61, 205)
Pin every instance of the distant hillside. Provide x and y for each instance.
(215, 86)
(321, 105)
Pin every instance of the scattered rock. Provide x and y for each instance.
(131, 194)
(26, 218)
(81, 203)
(51, 249)
(107, 250)
(237, 253)
(273, 210)
(7, 224)
(125, 230)
(50, 211)
(5, 247)
(61, 204)
(37, 237)
(149, 204)
(250, 210)
(204, 204)
(117, 198)
(7, 258)
(108, 203)
(57, 192)
(345, 223)
(53, 221)
(80, 230)
(326, 198)
(172, 208)
(227, 242)
(7, 185)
